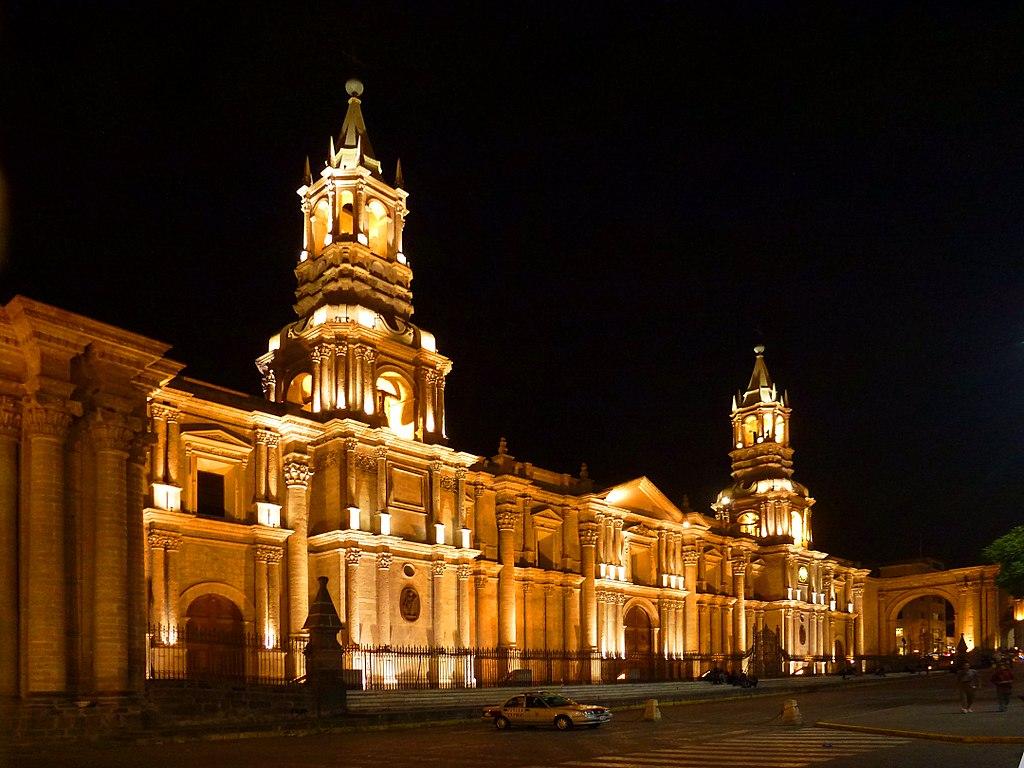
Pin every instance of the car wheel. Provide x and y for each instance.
(563, 723)
(501, 723)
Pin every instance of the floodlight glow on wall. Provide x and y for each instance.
(439, 533)
(268, 514)
(385, 523)
(602, 569)
(353, 518)
(465, 538)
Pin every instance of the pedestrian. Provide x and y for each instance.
(1002, 679)
(967, 684)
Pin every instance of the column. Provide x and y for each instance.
(260, 468)
(571, 625)
(739, 575)
(440, 404)
(437, 571)
(602, 623)
(174, 448)
(110, 438)
(352, 557)
(158, 586)
(464, 571)
(690, 558)
(480, 585)
(327, 386)
(617, 547)
(10, 431)
(429, 423)
(830, 637)
(340, 374)
(44, 611)
(307, 230)
(588, 544)
(262, 601)
(716, 628)
(858, 607)
(350, 472)
(812, 632)
(274, 555)
(172, 543)
(680, 628)
(460, 503)
(369, 403)
(506, 520)
(138, 616)
(434, 517)
(332, 220)
(727, 629)
(297, 475)
(355, 403)
(620, 625)
(665, 611)
(384, 561)
(159, 469)
(273, 464)
(381, 454)
(316, 355)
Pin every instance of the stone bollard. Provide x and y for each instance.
(791, 713)
(651, 711)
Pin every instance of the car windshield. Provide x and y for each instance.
(554, 700)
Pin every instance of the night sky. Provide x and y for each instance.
(609, 210)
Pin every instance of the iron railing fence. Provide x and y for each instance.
(212, 654)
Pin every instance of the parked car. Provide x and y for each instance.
(546, 708)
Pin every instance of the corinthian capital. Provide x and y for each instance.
(588, 534)
(10, 417)
(297, 472)
(506, 519)
(109, 431)
(46, 421)
(269, 554)
(352, 556)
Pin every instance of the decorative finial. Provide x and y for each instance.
(502, 447)
(354, 87)
(399, 178)
(759, 349)
(307, 175)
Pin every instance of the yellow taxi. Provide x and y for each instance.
(540, 708)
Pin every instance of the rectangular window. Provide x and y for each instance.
(209, 494)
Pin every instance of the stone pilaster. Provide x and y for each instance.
(506, 521)
(381, 454)
(384, 562)
(353, 556)
(589, 535)
(10, 433)
(174, 448)
(45, 609)
(437, 571)
(464, 571)
(268, 594)
(739, 575)
(690, 559)
(138, 615)
(297, 476)
(111, 440)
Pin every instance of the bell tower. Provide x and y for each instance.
(764, 501)
(353, 353)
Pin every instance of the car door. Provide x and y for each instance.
(515, 710)
(537, 712)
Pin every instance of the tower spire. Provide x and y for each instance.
(761, 388)
(353, 145)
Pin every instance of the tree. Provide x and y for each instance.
(1008, 552)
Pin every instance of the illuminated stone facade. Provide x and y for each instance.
(134, 499)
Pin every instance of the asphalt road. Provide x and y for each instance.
(736, 733)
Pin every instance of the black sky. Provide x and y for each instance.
(609, 209)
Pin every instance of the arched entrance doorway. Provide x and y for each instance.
(214, 638)
(641, 653)
(925, 626)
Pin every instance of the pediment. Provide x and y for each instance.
(215, 436)
(644, 497)
(546, 517)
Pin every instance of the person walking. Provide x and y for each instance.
(967, 684)
(1002, 679)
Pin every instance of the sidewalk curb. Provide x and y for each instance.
(930, 735)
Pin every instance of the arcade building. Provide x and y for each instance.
(140, 508)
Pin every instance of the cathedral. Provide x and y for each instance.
(143, 512)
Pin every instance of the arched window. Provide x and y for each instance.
(378, 227)
(345, 226)
(750, 430)
(395, 403)
(780, 429)
(300, 391)
(321, 227)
